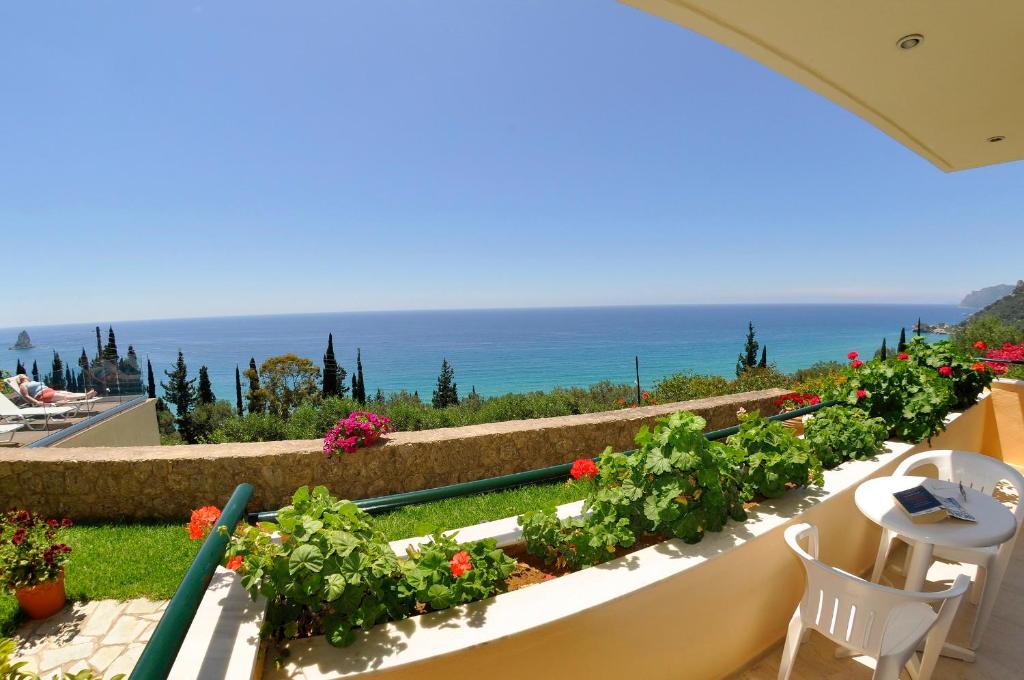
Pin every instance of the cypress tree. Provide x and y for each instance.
(883, 352)
(35, 371)
(99, 344)
(20, 369)
(447, 393)
(205, 395)
(83, 373)
(379, 397)
(110, 351)
(255, 403)
(238, 391)
(150, 381)
(355, 386)
(917, 331)
(361, 397)
(69, 380)
(764, 358)
(181, 392)
(330, 379)
(902, 347)
(57, 373)
(748, 357)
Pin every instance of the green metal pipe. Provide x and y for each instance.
(552, 473)
(159, 655)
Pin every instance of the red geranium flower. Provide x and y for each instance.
(902, 356)
(460, 563)
(583, 467)
(202, 520)
(19, 537)
(66, 522)
(852, 355)
(980, 344)
(945, 371)
(815, 399)
(979, 367)
(234, 563)
(857, 363)
(861, 394)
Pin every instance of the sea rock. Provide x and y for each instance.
(23, 341)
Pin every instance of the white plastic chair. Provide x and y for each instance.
(981, 473)
(865, 618)
(11, 413)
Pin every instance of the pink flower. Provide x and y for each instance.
(857, 363)
(861, 394)
(945, 371)
(852, 355)
(902, 356)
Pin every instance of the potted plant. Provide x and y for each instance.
(32, 561)
(793, 401)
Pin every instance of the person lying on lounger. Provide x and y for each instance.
(39, 393)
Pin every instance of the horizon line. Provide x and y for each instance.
(488, 309)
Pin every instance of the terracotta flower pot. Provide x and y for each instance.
(795, 424)
(43, 600)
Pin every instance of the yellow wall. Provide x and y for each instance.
(136, 426)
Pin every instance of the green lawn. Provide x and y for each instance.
(124, 561)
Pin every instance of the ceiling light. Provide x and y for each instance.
(997, 138)
(909, 42)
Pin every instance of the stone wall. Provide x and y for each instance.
(149, 482)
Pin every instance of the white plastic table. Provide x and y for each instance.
(995, 525)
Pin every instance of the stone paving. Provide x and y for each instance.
(105, 636)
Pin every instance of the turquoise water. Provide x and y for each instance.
(500, 351)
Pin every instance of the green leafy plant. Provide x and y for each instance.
(969, 378)
(912, 399)
(769, 456)
(443, 573)
(675, 485)
(840, 433)
(331, 572)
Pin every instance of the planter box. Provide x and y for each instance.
(671, 610)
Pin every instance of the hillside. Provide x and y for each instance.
(986, 296)
(1009, 308)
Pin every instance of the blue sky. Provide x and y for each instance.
(233, 158)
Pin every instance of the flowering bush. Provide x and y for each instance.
(202, 521)
(768, 456)
(31, 551)
(360, 429)
(838, 433)
(442, 573)
(795, 400)
(953, 364)
(1008, 351)
(646, 399)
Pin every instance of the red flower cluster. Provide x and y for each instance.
(358, 430)
(1008, 351)
(583, 467)
(861, 394)
(852, 355)
(857, 363)
(980, 367)
(460, 563)
(902, 356)
(980, 344)
(234, 563)
(202, 521)
(945, 371)
(797, 400)
(51, 554)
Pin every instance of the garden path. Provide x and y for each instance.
(105, 636)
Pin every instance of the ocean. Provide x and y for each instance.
(498, 351)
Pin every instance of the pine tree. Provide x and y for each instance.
(330, 379)
(238, 391)
(447, 393)
(379, 397)
(110, 351)
(747, 358)
(883, 353)
(35, 371)
(361, 397)
(181, 393)
(255, 401)
(902, 346)
(205, 394)
(764, 358)
(57, 373)
(150, 381)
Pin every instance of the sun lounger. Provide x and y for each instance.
(28, 416)
(77, 404)
(8, 431)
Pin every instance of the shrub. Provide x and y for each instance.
(760, 379)
(684, 387)
(838, 433)
(253, 427)
(443, 574)
(768, 455)
(913, 400)
(988, 328)
(360, 429)
(207, 418)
